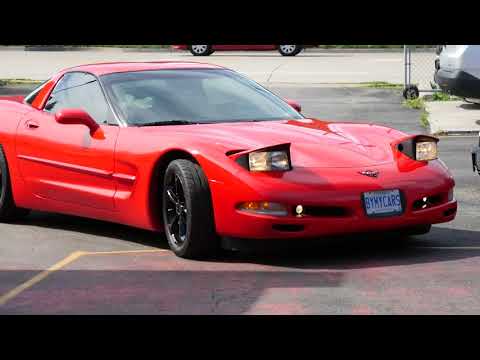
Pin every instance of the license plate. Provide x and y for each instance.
(383, 203)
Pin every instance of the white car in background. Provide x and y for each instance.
(458, 71)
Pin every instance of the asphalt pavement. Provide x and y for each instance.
(56, 264)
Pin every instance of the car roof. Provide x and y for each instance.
(117, 67)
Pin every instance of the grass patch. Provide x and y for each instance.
(424, 119)
(441, 96)
(6, 82)
(419, 104)
(381, 85)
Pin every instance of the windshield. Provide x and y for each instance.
(192, 96)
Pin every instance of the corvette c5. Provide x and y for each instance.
(205, 154)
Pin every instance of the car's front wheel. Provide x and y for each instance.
(200, 50)
(188, 212)
(8, 210)
(289, 50)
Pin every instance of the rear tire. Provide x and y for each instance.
(188, 212)
(289, 50)
(8, 210)
(200, 50)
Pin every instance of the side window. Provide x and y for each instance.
(80, 91)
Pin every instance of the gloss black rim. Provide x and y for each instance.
(176, 210)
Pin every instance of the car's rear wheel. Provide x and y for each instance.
(289, 50)
(188, 212)
(200, 50)
(8, 210)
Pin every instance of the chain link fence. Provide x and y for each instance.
(420, 65)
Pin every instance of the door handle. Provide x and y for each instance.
(32, 124)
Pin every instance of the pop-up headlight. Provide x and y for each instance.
(274, 158)
(420, 148)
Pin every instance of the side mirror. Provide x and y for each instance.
(79, 117)
(294, 105)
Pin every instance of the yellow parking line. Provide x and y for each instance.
(36, 279)
(69, 259)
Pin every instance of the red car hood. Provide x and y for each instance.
(314, 143)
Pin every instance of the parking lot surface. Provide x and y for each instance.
(55, 264)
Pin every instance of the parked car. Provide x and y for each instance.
(206, 50)
(209, 157)
(458, 71)
(476, 157)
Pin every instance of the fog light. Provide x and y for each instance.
(425, 203)
(299, 210)
(264, 208)
(451, 195)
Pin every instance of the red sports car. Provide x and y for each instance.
(204, 154)
(206, 50)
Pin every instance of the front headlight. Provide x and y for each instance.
(426, 151)
(269, 161)
(419, 147)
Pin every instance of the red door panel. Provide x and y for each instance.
(64, 163)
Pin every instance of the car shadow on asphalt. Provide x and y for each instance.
(348, 252)
(470, 106)
(93, 227)
(166, 291)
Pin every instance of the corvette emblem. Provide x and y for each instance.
(370, 173)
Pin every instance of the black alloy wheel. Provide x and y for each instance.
(188, 212)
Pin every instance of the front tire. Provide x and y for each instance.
(289, 50)
(188, 212)
(200, 50)
(8, 210)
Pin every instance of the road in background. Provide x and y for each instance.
(310, 67)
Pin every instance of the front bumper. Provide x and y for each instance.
(268, 227)
(458, 83)
(340, 189)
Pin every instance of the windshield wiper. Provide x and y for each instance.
(169, 122)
